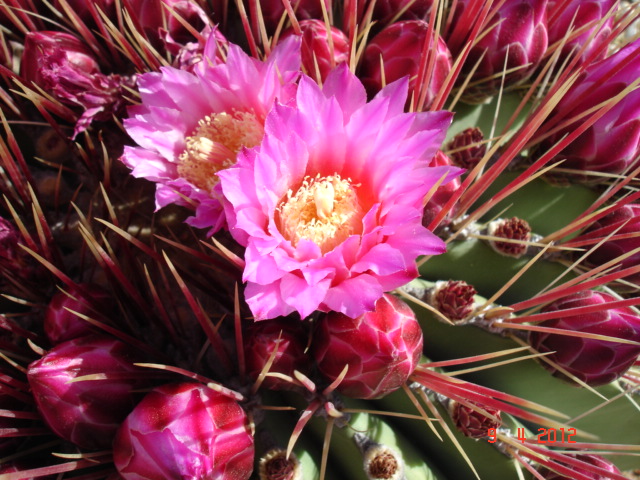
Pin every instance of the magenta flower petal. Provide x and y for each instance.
(191, 124)
(329, 205)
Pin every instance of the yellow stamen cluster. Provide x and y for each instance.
(324, 210)
(214, 145)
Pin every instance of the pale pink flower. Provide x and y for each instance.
(190, 125)
(329, 206)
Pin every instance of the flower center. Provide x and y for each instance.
(324, 210)
(214, 145)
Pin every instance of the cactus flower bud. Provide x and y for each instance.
(595, 362)
(60, 324)
(471, 423)
(400, 46)
(62, 65)
(288, 338)
(612, 143)
(625, 220)
(273, 11)
(564, 17)
(517, 40)
(317, 49)
(184, 430)
(87, 412)
(595, 460)
(441, 195)
(386, 10)
(382, 348)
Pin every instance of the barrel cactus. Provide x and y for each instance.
(290, 271)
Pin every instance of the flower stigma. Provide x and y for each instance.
(214, 145)
(324, 210)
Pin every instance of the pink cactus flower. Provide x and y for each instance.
(192, 125)
(329, 207)
(86, 413)
(382, 348)
(612, 143)
(400, 46)
(185, 431)
(595, 362)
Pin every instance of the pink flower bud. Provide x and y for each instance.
(565, 16)
(48, 50)
(83, 9)
(63, 66)
(471, 423)
(622, 221)
(386, 10)
(442, 194)
(273, 11)
(382, 348)
(60, 324)
(400, 46)
(595, 362)
(316, 47)
(184, 430)
(595, 460)
(517, 40)
(9, 240)
(288, 338)
(87, 412)
(612, 143)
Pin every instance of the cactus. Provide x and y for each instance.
(242, 240)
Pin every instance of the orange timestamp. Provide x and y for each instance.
(545, 435)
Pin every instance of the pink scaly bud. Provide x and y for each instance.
(400, 46)
(185, 430)
(612, 143)
(516, 39)
(87, 412)
(290, 341)
(595, 460)
(442, 195)
(623, 221)
(595, 362)
(454, 299)
(381, 348)
(60, 324)
(584, 15)
(515, 229)
(317, 49)
(273, 11)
